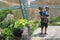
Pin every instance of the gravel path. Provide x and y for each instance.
(53, 34)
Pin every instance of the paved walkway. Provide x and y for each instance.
(53, 34)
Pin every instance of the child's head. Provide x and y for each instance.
(40, 8)
(47, 8)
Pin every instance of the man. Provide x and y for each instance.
(44, 21)
(46, 18)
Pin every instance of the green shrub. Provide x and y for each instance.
(58, 18)
(7, 33)
(54, 20)
(1, 24)
(20, 24)
(7, 23)
(32, 26)
(3, 13)
(39, 23)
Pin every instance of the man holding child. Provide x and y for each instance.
(44, 19)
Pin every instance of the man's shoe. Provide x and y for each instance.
(41, 33)
(46, 33)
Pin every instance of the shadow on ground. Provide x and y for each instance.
(39, 35)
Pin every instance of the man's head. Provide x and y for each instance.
(40, 8)
(47, 8)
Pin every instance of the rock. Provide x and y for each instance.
(25, 35)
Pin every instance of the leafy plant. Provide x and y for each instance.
(54, 20)
(20, 24)
(7, 33)
(3, 13)
(32, 26)
(7, 23)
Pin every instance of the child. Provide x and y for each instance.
(45, 18)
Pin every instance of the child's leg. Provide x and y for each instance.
(46, 25)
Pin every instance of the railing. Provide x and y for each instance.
(30, 6)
